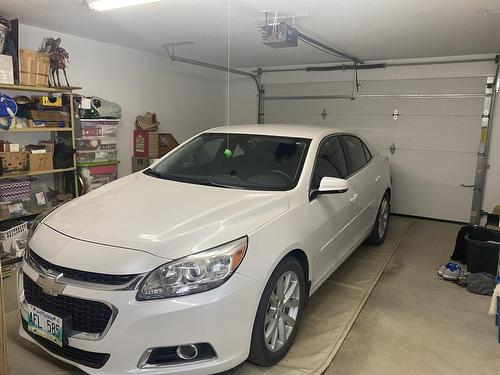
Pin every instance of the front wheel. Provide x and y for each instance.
(279, 313)
(379, 231)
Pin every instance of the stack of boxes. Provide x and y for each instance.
(149, 146)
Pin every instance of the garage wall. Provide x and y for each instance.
(185, 98)
(436, 139)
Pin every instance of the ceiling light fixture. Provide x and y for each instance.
(103, 5)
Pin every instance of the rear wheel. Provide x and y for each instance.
(379, 231)
(279, 313)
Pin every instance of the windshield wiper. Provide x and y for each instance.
(213, 183)
(153, 173)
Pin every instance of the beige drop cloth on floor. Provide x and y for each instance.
(334, 307)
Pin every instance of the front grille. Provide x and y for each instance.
(89, 359)
(86, 316)
(70, 273)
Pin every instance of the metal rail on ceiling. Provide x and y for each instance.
(170, 49)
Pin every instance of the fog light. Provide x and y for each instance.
(187, 352)
(174, 355)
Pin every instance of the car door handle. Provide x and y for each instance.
(377, 179)
(353, 198)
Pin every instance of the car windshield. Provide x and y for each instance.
(246, 161)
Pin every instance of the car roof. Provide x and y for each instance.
(285, 130)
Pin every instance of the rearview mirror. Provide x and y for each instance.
(333, 185)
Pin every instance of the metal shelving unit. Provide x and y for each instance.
(49, 90)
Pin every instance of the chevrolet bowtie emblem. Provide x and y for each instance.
(49, 282)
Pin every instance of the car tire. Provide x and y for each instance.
(279, 311)
(379, 231)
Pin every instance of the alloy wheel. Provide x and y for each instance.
(383, 218)
(282, 311)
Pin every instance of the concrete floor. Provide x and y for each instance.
(413, 323)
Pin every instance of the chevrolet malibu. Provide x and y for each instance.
(205, 259)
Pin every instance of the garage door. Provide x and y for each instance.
(435, 139)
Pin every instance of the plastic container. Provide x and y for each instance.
(95, 177)
(14, 209)
(12, 229)
(86, 157)
(11, 190)
(483, 248)
(96, 144)
(39, 200)
(97, 129)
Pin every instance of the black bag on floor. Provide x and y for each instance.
(482, 251)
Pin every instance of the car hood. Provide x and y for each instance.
(166, 218)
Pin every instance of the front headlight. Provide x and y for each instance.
(195, 273)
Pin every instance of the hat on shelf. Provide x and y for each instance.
(148, 121)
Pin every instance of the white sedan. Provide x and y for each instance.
(205, 259)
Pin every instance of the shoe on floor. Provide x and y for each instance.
(451, 272)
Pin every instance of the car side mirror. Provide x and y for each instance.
(333, 185)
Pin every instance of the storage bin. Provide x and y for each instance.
(86, 157)
(13, 162)
(95, 177)
(38, 197)
(10, 231)
(34, 68)
(482, 251)
(97, 129)
(11, 190)
(14, 209)
(95, 144)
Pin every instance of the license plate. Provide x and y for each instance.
(46, 325)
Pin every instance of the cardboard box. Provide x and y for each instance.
(6, 69)
(140, 163)
(41, 162)
(153, 145)
(166, 143)
(145, 144)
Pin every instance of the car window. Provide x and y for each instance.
(330, 161)
(368, 154)
(355, 153)
(203, 154)
(247, 161)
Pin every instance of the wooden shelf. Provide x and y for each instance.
(35, 130)
(29, 213)
(6, 86)
(36, 173)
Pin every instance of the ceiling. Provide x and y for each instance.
(369, 29)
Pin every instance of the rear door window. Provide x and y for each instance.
(355, 153)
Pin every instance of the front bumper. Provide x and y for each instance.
(222, 317)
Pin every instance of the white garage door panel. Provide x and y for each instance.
(379, 106)
(436, 139)
(403, 86)
(441, 133)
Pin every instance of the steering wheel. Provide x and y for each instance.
(282, 174)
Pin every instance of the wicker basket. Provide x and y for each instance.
(35, 68)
